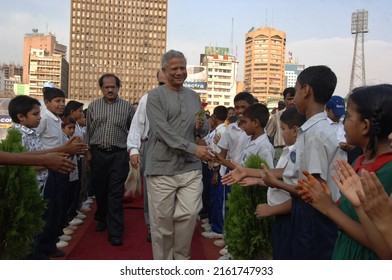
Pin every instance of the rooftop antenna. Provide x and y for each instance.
(266, 17)
(232, 36)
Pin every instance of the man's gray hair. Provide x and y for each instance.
(169, 55)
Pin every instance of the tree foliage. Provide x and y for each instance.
(248, 237)
(21, 206)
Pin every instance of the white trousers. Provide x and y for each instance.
(174, 203)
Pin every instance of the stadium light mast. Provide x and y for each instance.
(359, 26)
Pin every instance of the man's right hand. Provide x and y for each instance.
(58, 162)
(204, 153)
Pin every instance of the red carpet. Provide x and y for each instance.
(86, 244)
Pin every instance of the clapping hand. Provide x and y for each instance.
(374, 200)
(348, 181)
(314, 192)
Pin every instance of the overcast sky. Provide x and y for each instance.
(318, 31)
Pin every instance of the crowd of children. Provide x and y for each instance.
(56, 130)
(324, 208)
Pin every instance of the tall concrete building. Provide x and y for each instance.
(43, 68)
(222, 74)
(43, 61)
(126, 38)
(197, 80)
(10, 74)
(265, 50)
(291, 72)
(40, 41)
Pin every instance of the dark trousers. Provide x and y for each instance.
(55, 194)
(74, 194)
(73, 199)
(206, 173)
(217, 196)
(314, 235)
(109, 170)
(281, 237)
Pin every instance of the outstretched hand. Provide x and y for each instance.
(234, 176)
(58, 162)
(74, 146)
(252, 181)
(268, 177)
(348, 181)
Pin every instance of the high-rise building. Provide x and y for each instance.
(291, 72)
(126, 38)
(222, 74)
(43, 61)
(40, 41)
(197, 79)
(265, 50)
(44, 68)
(10, 74)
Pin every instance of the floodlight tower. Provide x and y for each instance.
(359, 26)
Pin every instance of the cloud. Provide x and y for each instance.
(337, 53)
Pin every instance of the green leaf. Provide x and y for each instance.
(22, 207)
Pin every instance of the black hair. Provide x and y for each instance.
(257, 111)
(233, 119)
(220, 112)
(246, 96)
(51, 93)
(292, 118)
(375, 104)
(288, 91)
(100, 81)
(72, 105)
(21, 104)
(66, 121)
(321, 79)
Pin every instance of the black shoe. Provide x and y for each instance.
(149, 237)
(115, 241)
(56, 254)
(100, 227)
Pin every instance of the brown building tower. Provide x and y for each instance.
(43, 61)
(265, 50)
(126, 38)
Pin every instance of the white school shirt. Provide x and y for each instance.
(277, 196)
(49, 130)
(219, 130)
(261, 147)
(233, 140)
(139, 127)
(317, 148)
